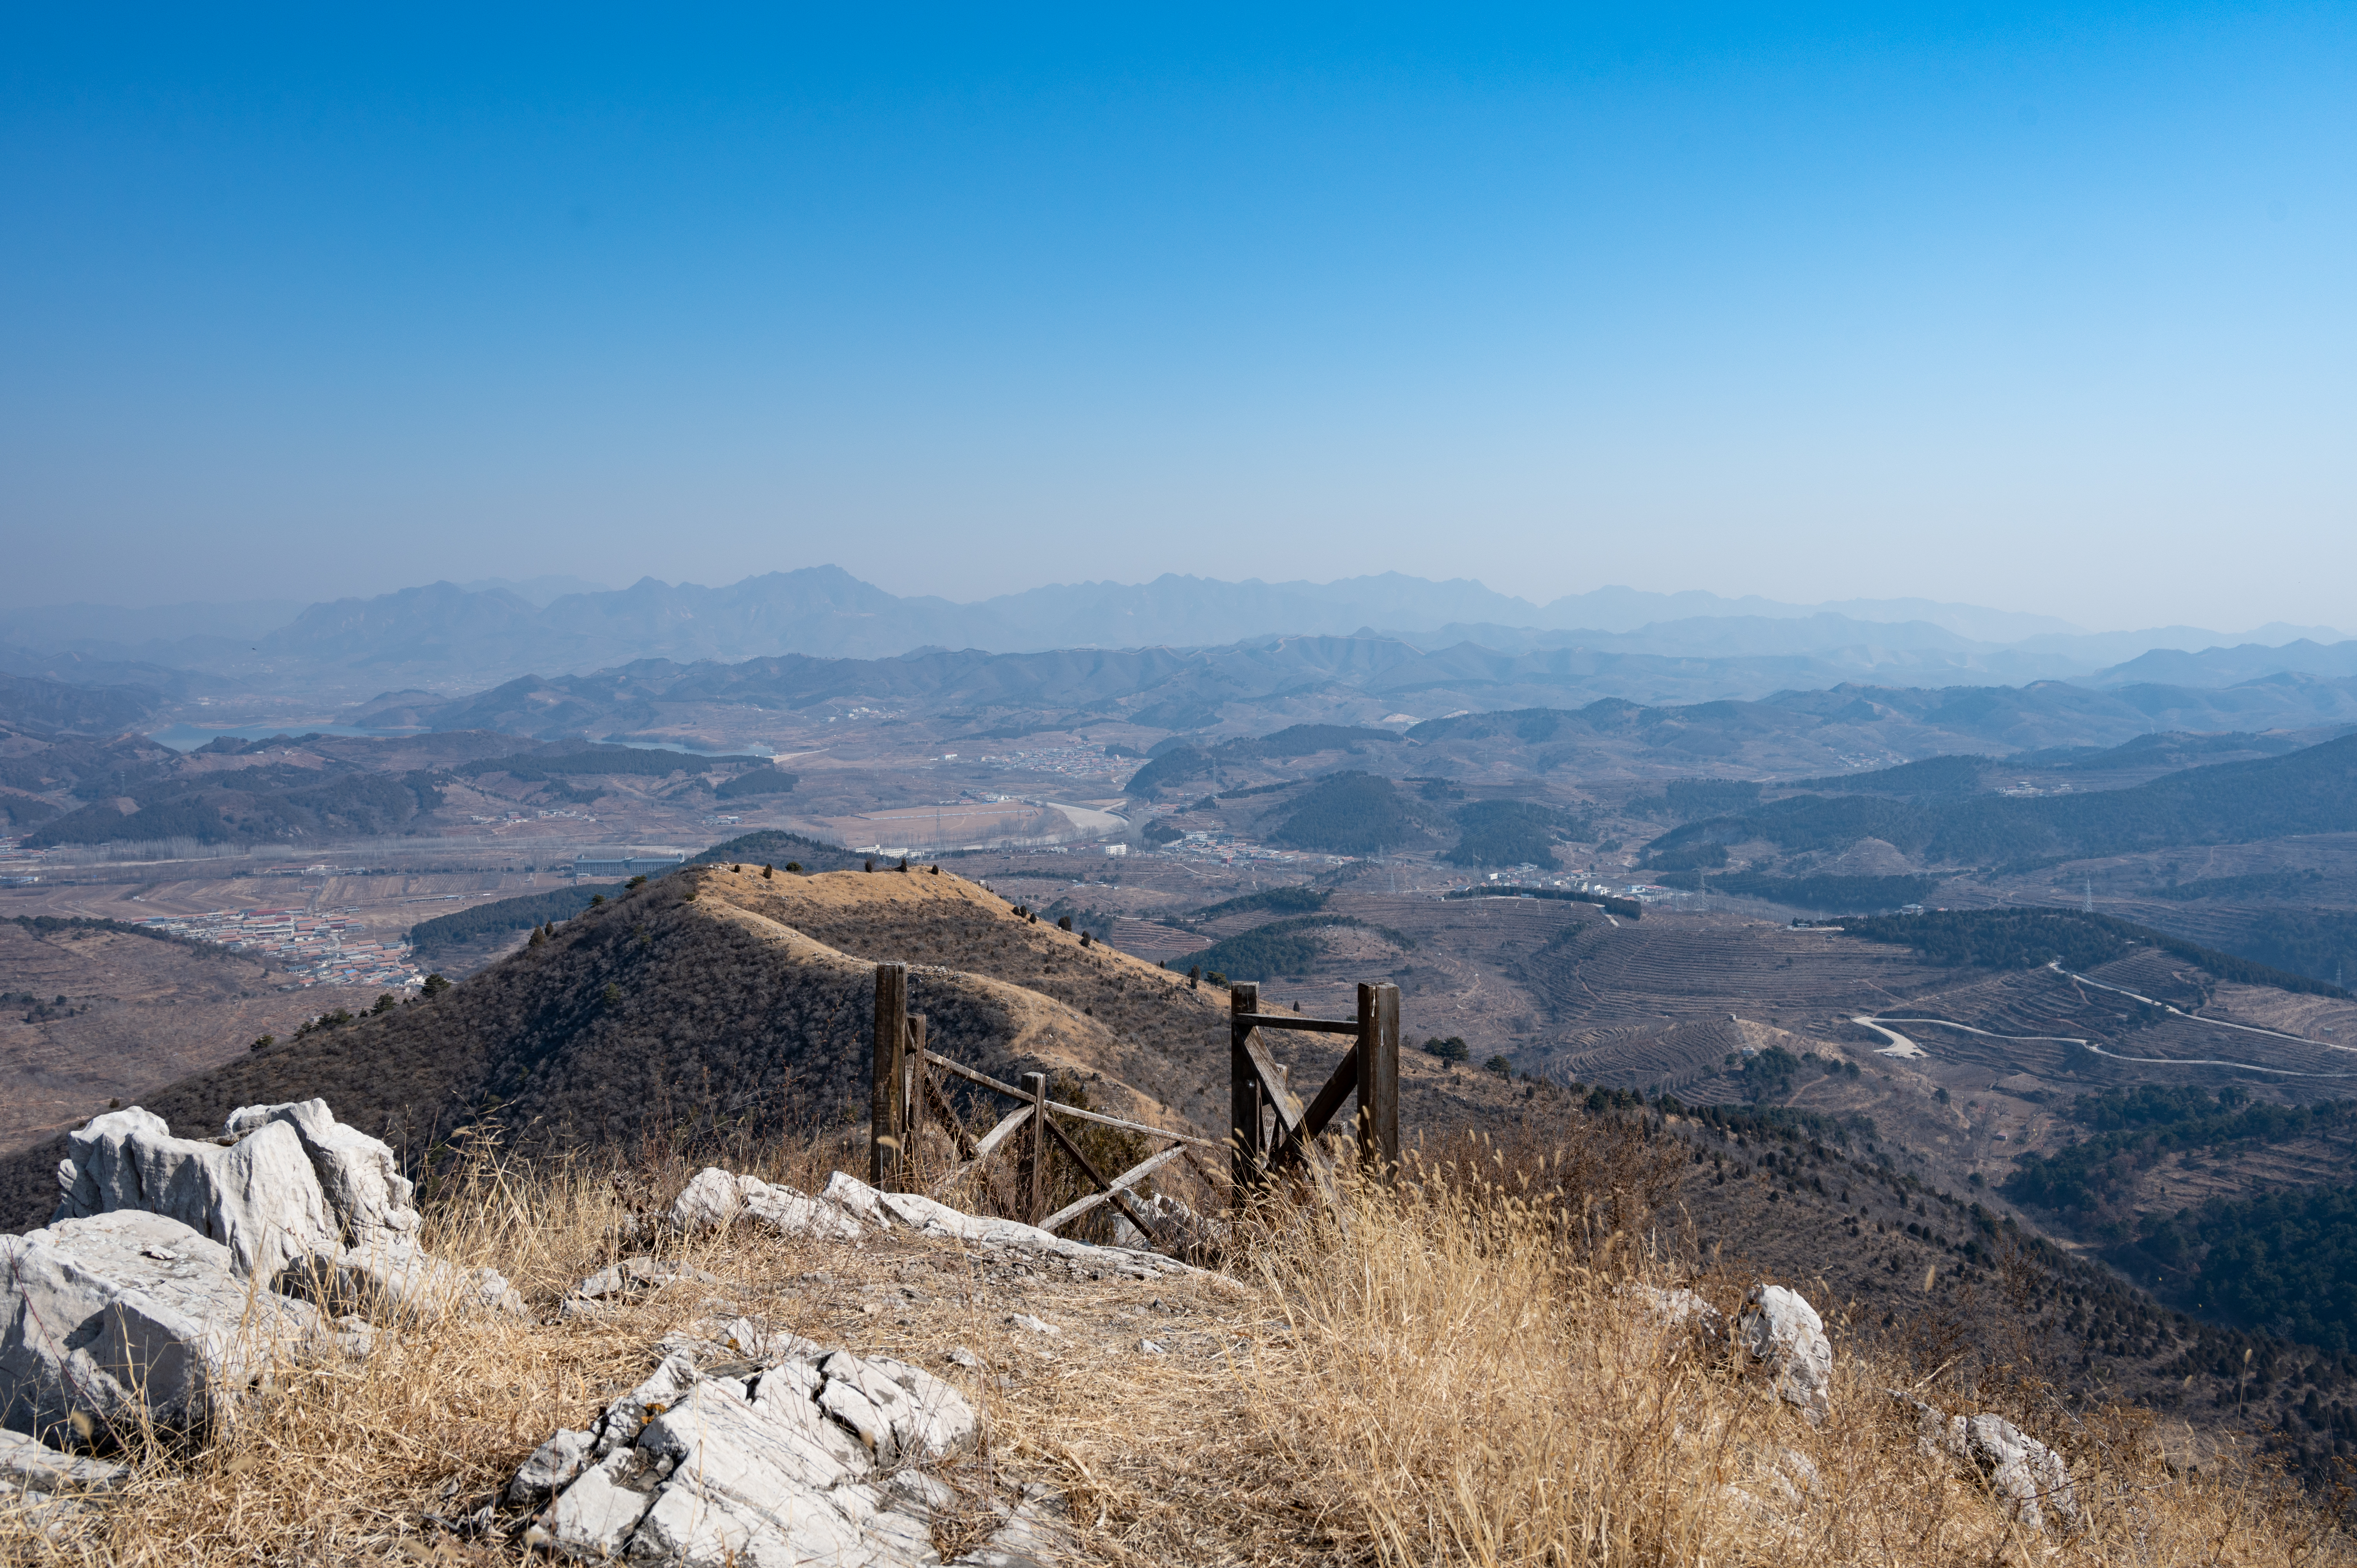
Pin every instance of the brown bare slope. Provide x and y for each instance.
(672, 1008)
(137, 1013)
(717, 999)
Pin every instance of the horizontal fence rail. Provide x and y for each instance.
(1271, 1130)
(906, 1091)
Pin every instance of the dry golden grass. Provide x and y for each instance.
(1449, 1371)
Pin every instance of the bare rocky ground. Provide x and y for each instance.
(137, 1013)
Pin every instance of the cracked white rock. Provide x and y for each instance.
(259, 1198)
(931, 1219)
(595, 1516)
(1678, 1306)
(703, 1471)
(398, 1277)
(552, 1465)
(2032, 1480)
(664, 1387)
(27, 1464)
(637, 1272)
(360, 1176)
(128, 1315)
(713, 1198)
(1783, 1329)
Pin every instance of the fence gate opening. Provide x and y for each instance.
(905, 1093)
(1270, 1128)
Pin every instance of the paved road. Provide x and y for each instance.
(2055, 966)
(1876, 1023)
(1900, 1046)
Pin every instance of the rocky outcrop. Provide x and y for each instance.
(302, 1202)
(116, 1321)
(713, 1198)
(397, 1278)
(804, 1455)
(848, 1208)
(1780, 1329)
(2030, 1479)
(26, 1466)
(362, 1180)
(259, 1197)
(928, 1218)
(1681, 1308)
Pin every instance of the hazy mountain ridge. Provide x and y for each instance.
(1547, 699)
(445, 636)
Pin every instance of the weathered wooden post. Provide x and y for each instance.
(916, 1078)
(1034, 1179)
(1244, 1090)
(886, 1129)
(1378, 1086)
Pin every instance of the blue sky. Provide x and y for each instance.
(2051, 309)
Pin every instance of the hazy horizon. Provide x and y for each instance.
(543, 591)
(2035, 310)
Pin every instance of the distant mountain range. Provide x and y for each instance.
(445, 637)
(1252, 687)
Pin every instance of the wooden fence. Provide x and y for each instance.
(906, 1094)
(1271, 1130)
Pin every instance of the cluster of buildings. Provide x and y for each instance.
(1072, 761)
(314, 949)
(1228, 849)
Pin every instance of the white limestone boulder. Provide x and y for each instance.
(638, 1273)
(115, 1320)
(373, 1201)
(929, 1218)
(26, 1466)
(1782, 1329)
(259, 1197)
(917, 1415)
(2031, 1480)
(1678, 1307)
(804, 1461)
(394, 1277)
(595, 1517)
(715, 1198)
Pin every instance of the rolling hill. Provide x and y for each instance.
(716, 999)
(2313, 790)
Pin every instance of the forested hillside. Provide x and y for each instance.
(2309, 791)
